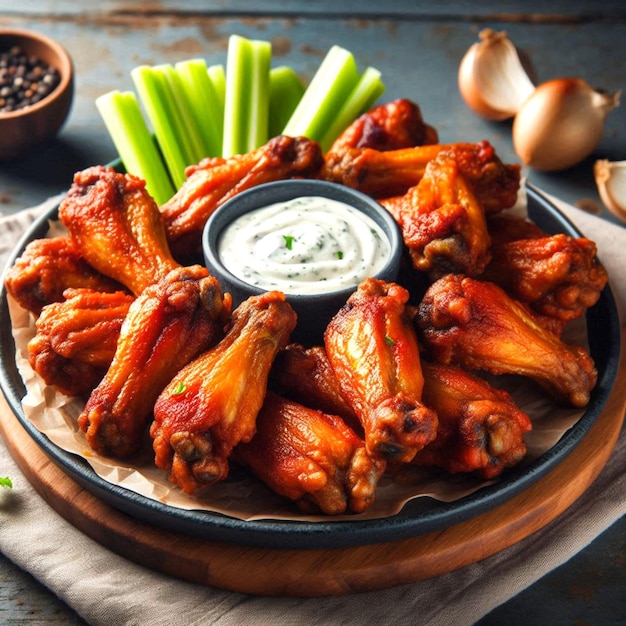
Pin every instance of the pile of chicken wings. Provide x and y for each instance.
(128, 318)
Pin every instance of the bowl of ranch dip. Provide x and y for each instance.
(313, 240)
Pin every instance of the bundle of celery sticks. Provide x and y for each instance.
(185, 112)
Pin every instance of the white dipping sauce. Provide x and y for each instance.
(308, 245)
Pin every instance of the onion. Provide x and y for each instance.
(492, 79)
(611, 182)
(561, 123)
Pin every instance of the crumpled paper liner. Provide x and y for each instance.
(241, 495)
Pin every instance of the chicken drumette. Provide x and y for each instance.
(312, 458)
(372, 348)
(168, 325)
(211, 405)
(116, 227)
(475, 324)
(443, 224)
(481, 429)
(213, 181)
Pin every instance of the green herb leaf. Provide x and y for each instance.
(6, 482)
(339, 255)
(180, 388)
(288, 241)
(389, 341)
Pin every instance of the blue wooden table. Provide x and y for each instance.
(418, 47)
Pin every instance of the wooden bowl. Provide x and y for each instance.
(23, 130)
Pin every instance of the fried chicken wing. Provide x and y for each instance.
(373, 350)
(442, 223)
(481, 429)
(167, 326)
(75, 340)
(312, 458)
(389, 126)
(48, 267)
(116, 227)
(306, 376)
(215, 180)
(559, 276)
(475, 324)
(211, 405)
(385, 174)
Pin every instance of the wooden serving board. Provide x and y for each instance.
(329, 571)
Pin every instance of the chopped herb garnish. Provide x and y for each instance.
(288, 241)
(389, 341)
(6, 482)
(339, 254)
(180, 388)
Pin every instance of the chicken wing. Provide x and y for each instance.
(116, 227)
(558, 275)
(75, 340)
(389, 126)
(168, 325)
(312, 458)
(442, 223)
(211, 405)
(384, 174)
(215, 180)
(372, 348)
(475, 324)
(481, 429)
(48, 267)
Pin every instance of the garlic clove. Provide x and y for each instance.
(561, 123)
(492, 79)
(610, 179)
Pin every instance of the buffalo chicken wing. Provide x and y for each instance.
(211, 405)
(372, 347)
(116, 227)
(75, 340)
(442, 223)
(168, 325)
(475, 324)
(312, 458)
(481, 429)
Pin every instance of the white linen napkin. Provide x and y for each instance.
(104, 588)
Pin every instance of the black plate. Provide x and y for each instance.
(418, 517)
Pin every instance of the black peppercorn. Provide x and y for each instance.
(24, 80)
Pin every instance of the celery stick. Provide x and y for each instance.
(331, 85)
(151, 88)
(286, 90)
(203, 102)
(218, 79)
(369, 88)
(134, 143)
(181, 115)
(246, 97)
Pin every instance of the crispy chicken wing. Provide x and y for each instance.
(75, 340)
(481, 429)
(48, 267)
(389, 126)
(475, 324)
(116, 227)
(443, 224)
(215, 180)
(312, 458)
(558, 275)
(211, 405)
(372, 347)
(384, 174)
(168, 325)
(306, 376)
